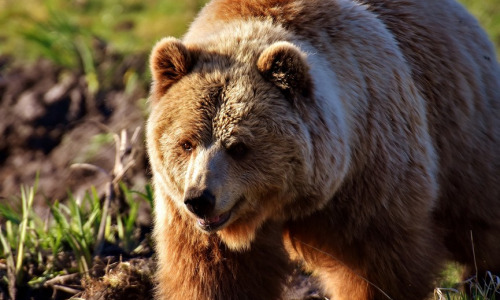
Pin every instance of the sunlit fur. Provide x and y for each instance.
(371, 133)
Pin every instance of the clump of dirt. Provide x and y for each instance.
(49, 119)
(119, 280)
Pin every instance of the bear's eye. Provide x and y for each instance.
(187, 146)
(237, 150)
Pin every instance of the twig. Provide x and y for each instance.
(124, 150)
(66, 289)
(90, 167)
(122, 172)
(60, 279)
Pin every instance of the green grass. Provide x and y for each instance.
(68, 32)
(31, 247)
(36, 250)
(480, 287)
(64, 31)
(488, 14)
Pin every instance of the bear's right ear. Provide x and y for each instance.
(285, 65)
(170, 60)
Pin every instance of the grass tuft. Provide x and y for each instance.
(39, 252)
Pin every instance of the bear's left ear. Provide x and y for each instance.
(285, 65)
(170, 60)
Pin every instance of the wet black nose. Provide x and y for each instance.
(202, 205)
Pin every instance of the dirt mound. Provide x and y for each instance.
(49, 119)
(120, 280)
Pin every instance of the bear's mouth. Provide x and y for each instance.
(211, 224)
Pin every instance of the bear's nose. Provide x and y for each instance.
(202, 205)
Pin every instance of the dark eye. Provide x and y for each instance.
(187, 146)
(237, 150)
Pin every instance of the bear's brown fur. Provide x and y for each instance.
(360, 138)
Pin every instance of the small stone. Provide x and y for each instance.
(29, 107)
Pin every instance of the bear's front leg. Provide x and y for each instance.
(196, 265)
(388, 262)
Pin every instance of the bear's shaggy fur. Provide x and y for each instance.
(360, 138)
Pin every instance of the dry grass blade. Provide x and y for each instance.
(10, 266)
(61, 283)
(438, 292)
(66, 289)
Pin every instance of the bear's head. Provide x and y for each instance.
(226, 136)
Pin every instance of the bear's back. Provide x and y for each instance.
(455, 68)
(452, 64)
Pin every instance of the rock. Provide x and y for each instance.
(28, 107)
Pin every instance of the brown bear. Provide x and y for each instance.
(360, 138)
